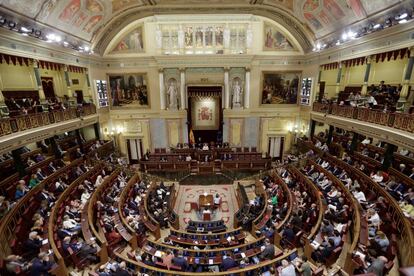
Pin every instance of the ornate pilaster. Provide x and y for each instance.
(183, 97)
(67, 80)
(162, 92)
(338, 80)
(35, 64)
(403, 102)
(366, 77)
(226, 88)
(247, 88)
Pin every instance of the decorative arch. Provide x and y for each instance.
(103, 38)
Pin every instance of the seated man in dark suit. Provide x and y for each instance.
(84, 251)
(33, 244)
(179, 260)
(41, 265)
(121, 270)
(288, 234)
(268, 252)
(228, 262)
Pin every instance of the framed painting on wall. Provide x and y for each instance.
(280, 87)
(128, 90)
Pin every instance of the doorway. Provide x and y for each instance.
(275, 147)
(135, 150)
(79, 96)
(205, 114)
(48, 87)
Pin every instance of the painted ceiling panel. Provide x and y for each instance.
(84, 18)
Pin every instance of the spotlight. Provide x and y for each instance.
(352, 34)
(376, 26)
(37, 33)
(86, 48)
(344, 36)
(338, 43)
(65, 43)
(402, 16)
(51, 37)
(3, 20)
(402, 21)
(58, 39)
(25, 30)
(12, 24)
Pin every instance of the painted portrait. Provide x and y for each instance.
(280, 87)
(205, 113)
(128, 90)
(275, 40)
(131, 43)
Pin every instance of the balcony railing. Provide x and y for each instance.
(24, 122)
(402, 121)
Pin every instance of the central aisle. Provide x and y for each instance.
(188, 194)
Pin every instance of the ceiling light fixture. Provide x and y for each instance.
(402, 16)
(12, 24)
(25, 30)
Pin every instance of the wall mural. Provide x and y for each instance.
(131, 43)
(280, 87)
(128, 90)
(275, 40)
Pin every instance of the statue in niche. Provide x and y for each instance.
(172, 95)
(237, 92)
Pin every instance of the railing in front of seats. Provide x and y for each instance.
(401, 121)
(24, 122)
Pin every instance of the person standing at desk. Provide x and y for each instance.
(180, 261)
(217, 200)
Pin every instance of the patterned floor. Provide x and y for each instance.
(188, 194)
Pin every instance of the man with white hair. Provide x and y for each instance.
(33, 244)
(287, 269)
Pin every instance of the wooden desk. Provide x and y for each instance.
(205, 201)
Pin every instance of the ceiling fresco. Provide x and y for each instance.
(84, 18)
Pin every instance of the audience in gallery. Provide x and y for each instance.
(382, 96)
(379, 226)
(32, 104)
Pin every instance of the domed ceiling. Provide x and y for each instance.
(89, 20)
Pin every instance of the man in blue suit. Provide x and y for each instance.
(180, 261)
(41, 265)
(227, 262)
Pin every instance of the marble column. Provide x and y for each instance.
(338, 80)
(247, 89)
(403, 102)
(35, 65)
(364, 89)
(183, 98)
(67, 80)
(226, 88)
(162, 93)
